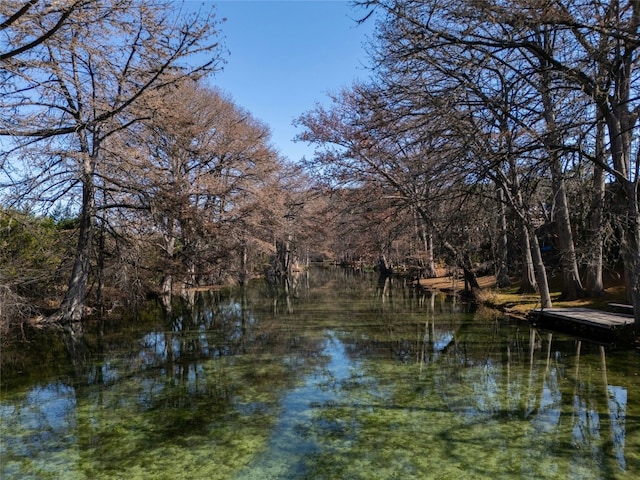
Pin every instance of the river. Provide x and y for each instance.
(341, 376)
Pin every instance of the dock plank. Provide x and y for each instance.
(586, 316)
(621, 308)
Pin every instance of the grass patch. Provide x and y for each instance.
(517, 304)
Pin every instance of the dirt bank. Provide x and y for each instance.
(509, 301)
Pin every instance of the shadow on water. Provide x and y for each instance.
(334, 374)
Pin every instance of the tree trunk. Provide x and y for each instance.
(100, 266)
(470, 279)
(72, 309)
(464, 262)
(430, 264)
(528, 283)
(634, 272)
(571, 284)
(594, 284)
(244, 271)
(630, 243)
(283, 254)
(426, 240)
(541, 273)
(166, 287)
(502, 271)
(385, 267)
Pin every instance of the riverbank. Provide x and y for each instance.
(518, 305)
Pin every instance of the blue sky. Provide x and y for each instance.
(287, 55)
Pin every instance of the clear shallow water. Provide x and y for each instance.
(344, 378)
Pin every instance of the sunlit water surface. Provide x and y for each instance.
(343, 378)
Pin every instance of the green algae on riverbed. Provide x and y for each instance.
(344, 380)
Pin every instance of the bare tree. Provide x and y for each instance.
(364, 141)
(81, 89)
(204, 170)
(27, 24)
(488, 102)
(594, 57)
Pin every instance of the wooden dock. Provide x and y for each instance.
(586, 322)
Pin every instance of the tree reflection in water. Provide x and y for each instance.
(334, 376)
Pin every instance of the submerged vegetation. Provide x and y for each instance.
(342, 381)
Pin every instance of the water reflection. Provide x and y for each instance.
(292, 437)
(333, 377)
